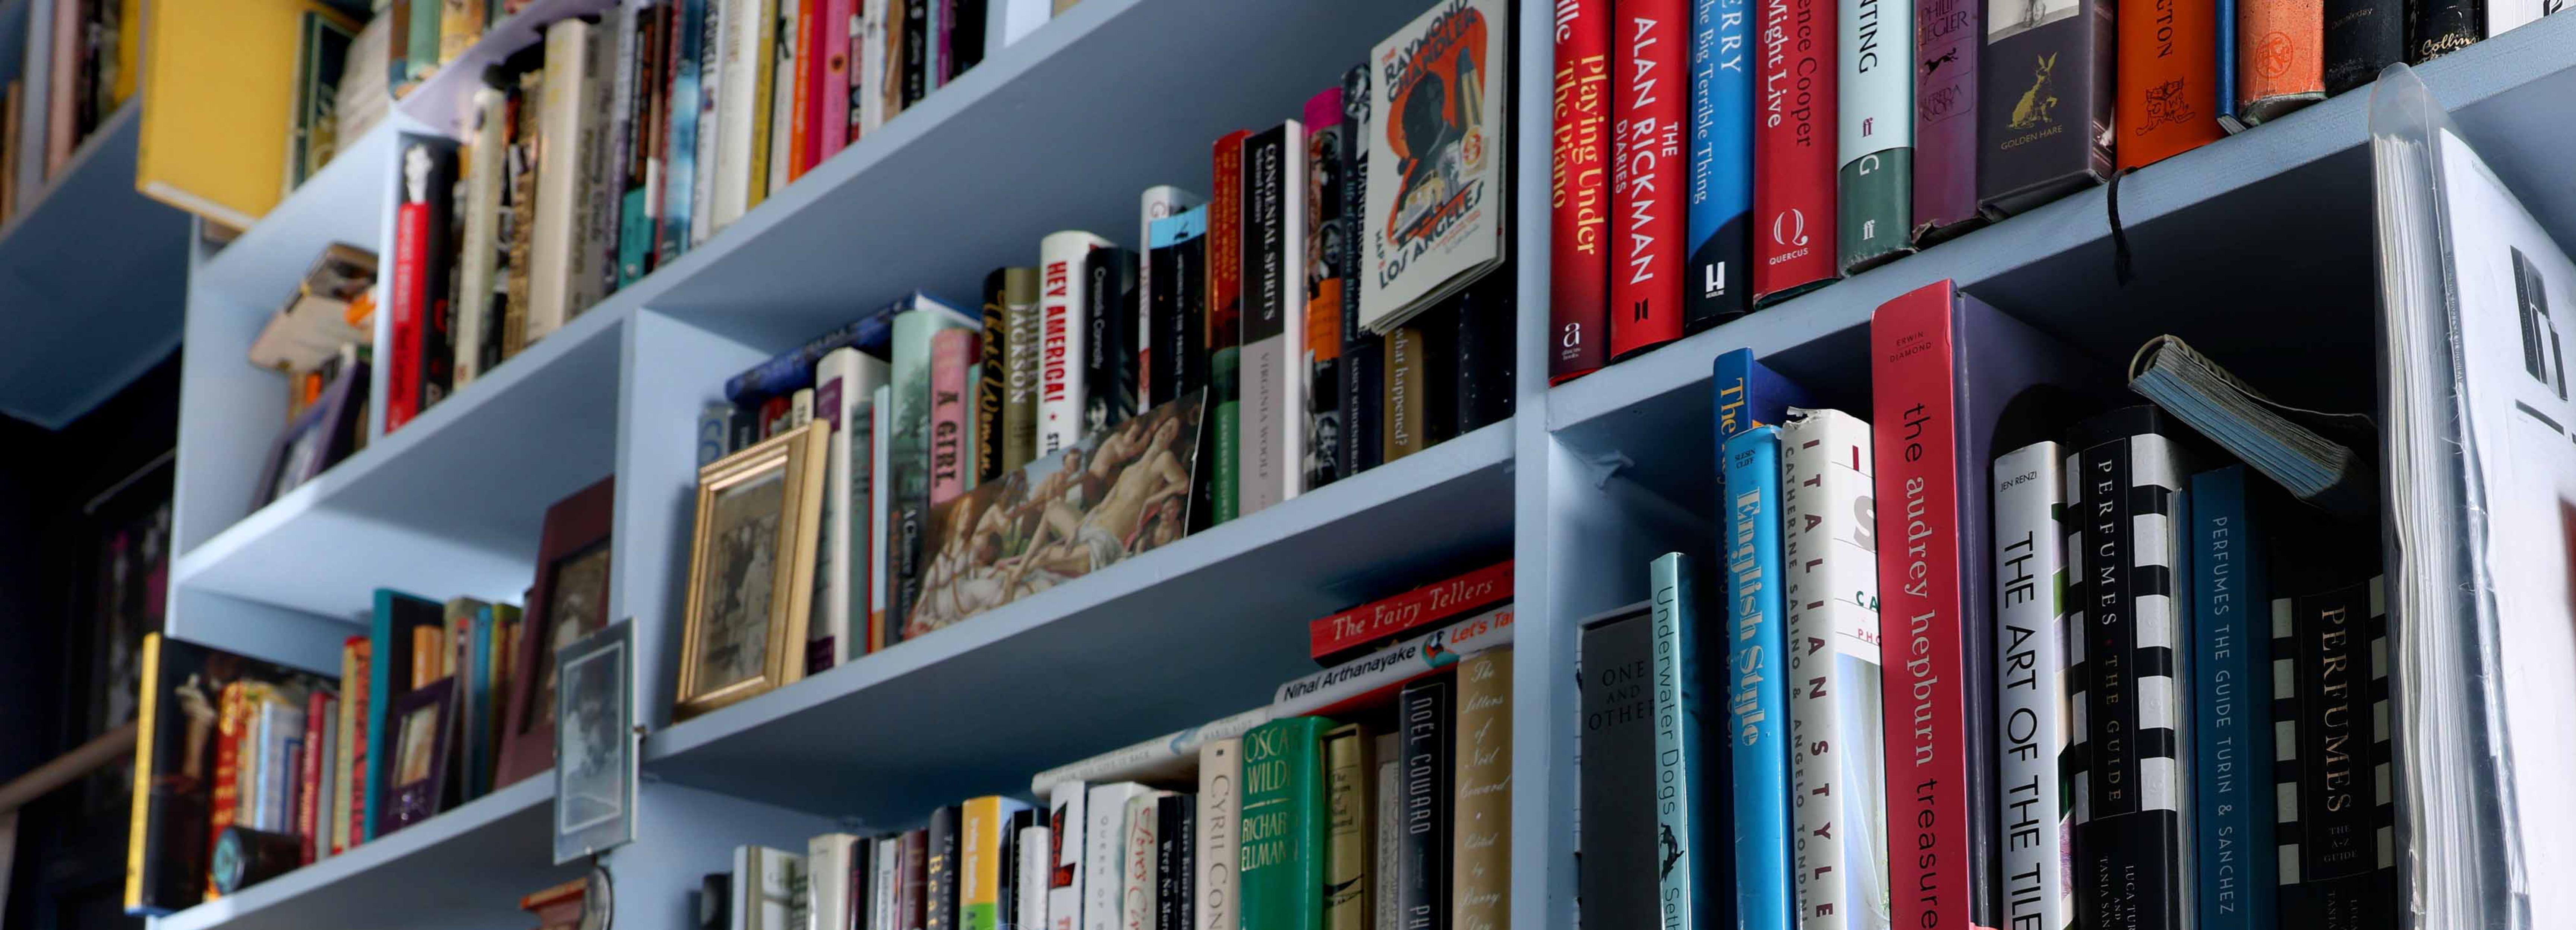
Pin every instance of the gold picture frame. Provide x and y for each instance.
(751, 570)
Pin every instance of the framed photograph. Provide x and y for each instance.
(323, 434)
(595, 744)
(569, 601)
(751, 570)
(422, 721)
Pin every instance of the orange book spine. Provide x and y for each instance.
(428, 655)
(355, 753)
(2166, 99)
(2280, 56)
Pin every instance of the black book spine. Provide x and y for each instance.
(1441, 369)
(2362, 36)
(1485, 357)
(1109, 362)
(939, 871)
(1363, 352)
(1616, 880)
(2044, 102)
(437, 363)
(966, 50)
(1007, 870)
(2333, 761)
(1179, 298)
(862, 879)
(916, 50)
(1422, 865)
(1329, 220)
(2444, 26)
(912, 878)
(1175, 839)
(994, 382)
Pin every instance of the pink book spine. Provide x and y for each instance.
(832, 99)
(952, 353)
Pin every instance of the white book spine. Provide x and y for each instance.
(880, 416)
(1102, 854)
(1068, 815)
(782, 98)
(1830, 548)
(1137, 875)
(1385, 889)
(746, 23)
(875, 63)
(716, 35)
(481, 259)
(1063, 296)
(2031, 705)
(846, 387)
(884, 889)
(1030, 911)
(602, 121)
(1220, 796)
(1272, 454)
(552, 255)
(618, 144)
(744, 891)
(1162, 758)
(1159, 202)
(828, 855)
(34, 98)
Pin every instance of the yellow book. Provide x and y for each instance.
(129, 47)
(981, 825)
(460, 25)
(146, 715)
(764, 93)
(218, 101)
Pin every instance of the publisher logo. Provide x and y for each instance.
(2273, 54)
(1789, 228)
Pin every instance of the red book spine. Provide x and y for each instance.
(410, 297)
(1651, 91)
(308, 803)
(1579, 191)
(809, 80)
(229, 706)
(1793, 148)
(356, 751)
(1225, 243)
(1924, 705)
(1379, 620)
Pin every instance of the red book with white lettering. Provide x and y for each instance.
(1349, 633)
(1650, 96)
(1794, 136)
(1936, 425)
(1579, 192)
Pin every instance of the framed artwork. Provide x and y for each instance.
(595, 744)
(568, 602)
(751, 570)
(422, 737)
(324, 434)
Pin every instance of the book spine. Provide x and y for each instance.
(1830, 544)
(605, 60)
(765, 65)
(1160, 202)
(805, 141)
(1328, 220)
(1138, 879)
(1794, 150)
(1363, 351)
(916, 51)
(1341, 633)
(1578, 191)
(481, 243)
(1220, 796)
(363, 705)
(1647, 166)
(881, 495)
(1480, 850)
(1225, 252)
(1350, 683)
(982, 848)
(1949, 37)
(837, 385)
(2336, 836)
(1179, 313)
(1348, 836)
(2232, 692)
(1284, 825)
(2033, 662)
(1757, 699)
(1109, 361)
(410, 289)
(913, 903)
(680, 147)
(952, 353)
(1616, 885)
(992, 383)
(2134, 866)
(1687, 887)
(2362, 37)
(1272, 372)
(2047, 97)
(1175, 866)
(884, 47)
(724, 17)
(1875, 135)
(2167, 88)
(1403, 400)
(1422, 864)
(308, 775)
(780, 79)
(1103, 859)
(554, 242)
(2444, 26)
(832, 122)
(638, 214)
(1928, 770)
(1028, 904)
(1063, 296)
(1721, 166)
(939, 897)
(1388, 797)
(517, 281)
(1022, 347)
(735, 95)
(1067, 818)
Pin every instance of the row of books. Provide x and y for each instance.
(80, 66)
(320, 343)
(2132, 682)
(1396, 817)
(1824, 159)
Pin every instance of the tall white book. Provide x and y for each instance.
(1273, 374)
(764, 895)
(1138, 876)
(1829, 543)
(1161, 201)
(1063, 295)
(477, 266)
(880, 504)
(876, 62)
(1220, 798)
(2031, 707)
(782, 97)
(1103, 853)
(1385, 888)
(1030, 911)
(748, 27)
(623, 44)
(715, 36)
(563, 273)
(1069, 815)
(887, 886)
(829, 855)
(845, 390)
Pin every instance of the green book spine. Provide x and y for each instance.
(1223, 382)
(421, 46)
(1283, 826)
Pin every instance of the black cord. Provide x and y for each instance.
(2120, 265)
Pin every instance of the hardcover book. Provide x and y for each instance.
(1937, 414)
(1347, 772)
(1749, 394)
(1111, 342)
(479, 249)
(1104, 857)
(2441, 27)
(1439, 187)
(1388, 797)
(1616, 881)
(1327, 227)
(175, 768)
(1272, 431)
(992, 376)
(940, 888)
(1648, 99)
(423, 314)
(1950, 35)
(1721, 166)
(390, 648)
(1176, 327)
(2046, 85)
(1874, 138)
(2234, 806)
(564, 271)
(680, 144)
(1158, 203)
(1220, 797)
(1036, 850)
(1284, 825)
(1175, 860)
(2330, 674)
(1839, 822)
(1755, 688)
(2167, 85)
(2362, 37)
(983, 825)
(1363, 352)
(1138, 882)
(1347, 634)
(1022, 347)
(1794, 151)
(1067, 817)
(1579, 192)
(1693, 862)
(910, 465)
(847, 400)
(1480, 860)
(2034, 657)
(2134, 865)
(1064, 294)
(1423, 711)
(1218, 496)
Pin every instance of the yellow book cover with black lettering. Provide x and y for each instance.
(218, 103)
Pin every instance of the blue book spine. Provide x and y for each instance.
(1750, 395)
(388, 654)
(1721, 166)
(1757, 697)
(680, 157)
(2227, 63)
(2231, 605)
(1685, 770)
(793, 370)
(478, 720)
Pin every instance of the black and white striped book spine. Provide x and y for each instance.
(1830, 548)
(2134, 867)
(2031, 684)
(2337, 824)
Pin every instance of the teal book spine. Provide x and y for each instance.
(2231, 605)
(1757, 696)
(1282, 827)
(1685, 770)
(478, 718)
(389, 655)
